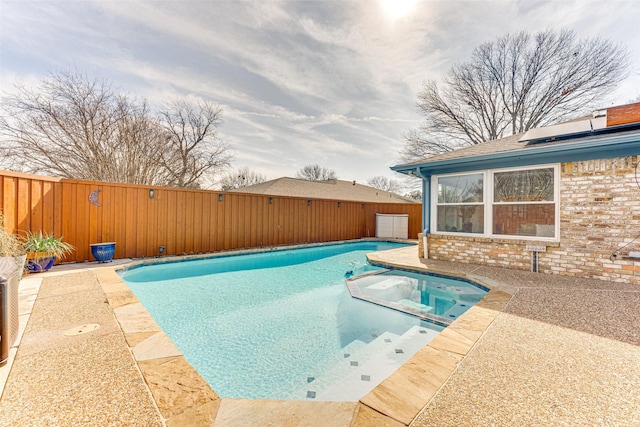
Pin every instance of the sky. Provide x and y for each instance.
(333, 83)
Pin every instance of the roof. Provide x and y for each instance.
(617, 139)
(332, 189)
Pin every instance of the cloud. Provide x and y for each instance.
(300, 82)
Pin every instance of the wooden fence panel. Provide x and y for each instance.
(181, 220)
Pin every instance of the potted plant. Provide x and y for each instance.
(43, 250)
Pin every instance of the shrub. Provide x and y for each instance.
(10, 244)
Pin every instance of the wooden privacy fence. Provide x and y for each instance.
(142, 218)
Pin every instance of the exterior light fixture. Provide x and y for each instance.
(309, 202)
(363, 206)
(270, 200)
(339, 204)
(151, 193)
(219, 197)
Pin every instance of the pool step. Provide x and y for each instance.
(384, 362)
(350, 358)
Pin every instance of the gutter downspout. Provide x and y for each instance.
(426, 208)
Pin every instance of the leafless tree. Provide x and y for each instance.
(195, 148)
(242, 177)
(77, 127)
(515, 83)
(385, 184)
(415, 195)
(316, 173)
(72, 127)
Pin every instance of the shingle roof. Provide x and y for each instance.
(618, 137)
(615, 116)
(496, 146)
(332, 189)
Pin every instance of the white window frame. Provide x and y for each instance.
(488, 202)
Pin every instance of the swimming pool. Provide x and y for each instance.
(280, 324)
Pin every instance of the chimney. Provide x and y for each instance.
(623, 114)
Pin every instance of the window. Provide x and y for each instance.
(461, 203)
(523, 203)
(504, 203)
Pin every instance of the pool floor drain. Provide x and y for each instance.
(82, 329)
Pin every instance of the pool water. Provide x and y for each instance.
(439, 298)
(279, 324)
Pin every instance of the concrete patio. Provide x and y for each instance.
(537, 350)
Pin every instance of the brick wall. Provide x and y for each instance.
(599, 214)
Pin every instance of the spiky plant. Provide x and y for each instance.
(11, 245)
(46, 245)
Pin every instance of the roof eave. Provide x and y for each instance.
(601, 148)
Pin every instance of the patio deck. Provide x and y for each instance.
(538, 350)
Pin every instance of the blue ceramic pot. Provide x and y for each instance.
(40, 264)
(103, 252)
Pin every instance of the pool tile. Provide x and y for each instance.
(202, 415)
(175, 385)
(122, 298)
(157, 346)
(135, 318)
(136, 338)
(354, 363)
(243, 413)
(476, 318)
(311, 394)
(403, 394)
(310, 379)
(495, 300)
(365, 377)
(452, 341)
(367, 417)
(110, 280)
(465, 332)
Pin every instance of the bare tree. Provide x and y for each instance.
(316, 173)
(73, 126)
(515, 83)
(196, 150)
(242, 177)
(385, 184)
(415, 195)
(76, 127)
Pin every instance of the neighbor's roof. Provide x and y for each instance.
(332, 189)
(619, 136)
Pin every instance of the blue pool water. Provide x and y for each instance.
(267, 325)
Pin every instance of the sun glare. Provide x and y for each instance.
(395, 9)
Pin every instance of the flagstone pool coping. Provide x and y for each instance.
(183, 397)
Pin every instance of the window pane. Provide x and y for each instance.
(524, 220)
(460, 189)
(533, 185)
(461, 219)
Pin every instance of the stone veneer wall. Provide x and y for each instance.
(599, 213)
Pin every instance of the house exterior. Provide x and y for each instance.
(332, 189)
(562, 199)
